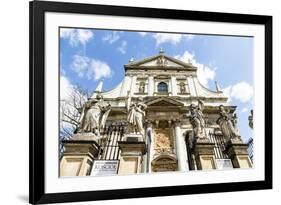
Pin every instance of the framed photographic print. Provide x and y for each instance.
(140, 102)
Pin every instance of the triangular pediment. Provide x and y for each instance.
(164, 101)
(160, 61)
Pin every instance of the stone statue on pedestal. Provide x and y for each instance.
(197, 121)
(93, 116)
(250, 118)
(136, 114)
(228, 125)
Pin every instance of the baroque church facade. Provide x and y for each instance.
(159, 118)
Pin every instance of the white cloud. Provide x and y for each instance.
(122, 48)
(80, 64)
(170, 38)
(98, 70)
(204, 73)
(186, 57)
(90, 68)
(112, 37)
(244, 110)
(241, 91)
(227, 92)
(167, 38)
(76, 36)
(142, 33)
(66, 88)
(66, 32)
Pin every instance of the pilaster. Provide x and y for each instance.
(174, 85)
(150, 85)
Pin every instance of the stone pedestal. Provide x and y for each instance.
(131, 157)
(204, 155)
(78, 156)
(133, 138)
(238, 153)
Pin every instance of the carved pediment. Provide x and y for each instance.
(164, 101)
(161, 60)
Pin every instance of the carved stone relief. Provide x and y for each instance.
(163, 141)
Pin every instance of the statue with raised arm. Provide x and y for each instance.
(197, 120)
(136, 114)
(93, 116)
(228, 124)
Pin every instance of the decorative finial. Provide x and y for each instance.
(99, 87)
(161, 50)
(189, 61)
(132, 59)
(217, 87)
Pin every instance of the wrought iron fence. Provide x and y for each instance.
(109, 148)
(219, 146)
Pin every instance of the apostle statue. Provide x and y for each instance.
(182, 88)
(228, 124)
(141, 87)
(93, 116)
(197, 120)
(136, 114)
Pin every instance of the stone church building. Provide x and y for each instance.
(159, 118)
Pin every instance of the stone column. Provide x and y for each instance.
(204, 155)
(238, 153)
(149, 145)
(174, 85)
(78, 157)
(150, 85)
(145, 164)
(181, 149)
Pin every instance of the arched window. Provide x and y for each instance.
(162, 87)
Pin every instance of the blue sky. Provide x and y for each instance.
(89, 55)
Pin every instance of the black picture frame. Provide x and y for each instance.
(37, 9)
